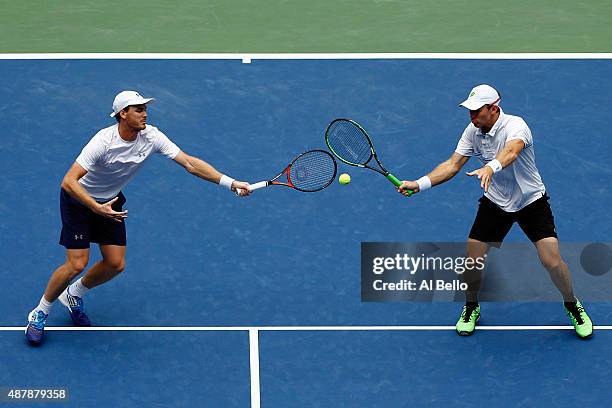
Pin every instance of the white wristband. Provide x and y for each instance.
(424, 183)
(226, 181)
(495, 165)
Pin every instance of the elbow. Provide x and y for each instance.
(66, 184)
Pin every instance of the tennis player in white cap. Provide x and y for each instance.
(91, 205)
(513, 192)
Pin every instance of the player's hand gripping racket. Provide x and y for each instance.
(350, 143)
(309, 172)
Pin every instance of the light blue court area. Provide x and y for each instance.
(199, 256)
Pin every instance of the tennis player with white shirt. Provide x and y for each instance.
(91, 205)
(513, 192)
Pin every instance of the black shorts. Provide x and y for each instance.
(80, 225)
(492, 223)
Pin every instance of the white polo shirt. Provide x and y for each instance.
(517, 185)
(111, 162)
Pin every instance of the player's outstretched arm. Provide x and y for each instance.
(442, 173)
(203, 170)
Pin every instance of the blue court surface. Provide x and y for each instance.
(199, 257)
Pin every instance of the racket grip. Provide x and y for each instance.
(256, 186)
(396, 182)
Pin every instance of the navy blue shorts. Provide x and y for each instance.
(492, 224)
(80, 225)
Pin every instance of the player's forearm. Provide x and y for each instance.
(77, 191)
(203, 170)
(507, 156)
(444, 172)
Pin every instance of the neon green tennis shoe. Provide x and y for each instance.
(581, 321)
(467, 321)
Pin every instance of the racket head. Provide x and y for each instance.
(349, 142)
(310, 171)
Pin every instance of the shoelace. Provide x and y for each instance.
(578, 314)
(76, 303)
(467, 313)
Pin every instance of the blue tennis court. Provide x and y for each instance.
(198, 257)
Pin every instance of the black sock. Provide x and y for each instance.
(472, 304)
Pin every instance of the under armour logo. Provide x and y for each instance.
(78, 236)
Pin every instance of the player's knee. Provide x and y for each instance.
(116, 265)
(552, 263)
(76, 266)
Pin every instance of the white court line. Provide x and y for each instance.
(248, 57)
(254, 366)
(292, 328)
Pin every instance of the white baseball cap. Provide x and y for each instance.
(481, 95)
(128, 98)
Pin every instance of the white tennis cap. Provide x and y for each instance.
(480, 96)
(128, 98)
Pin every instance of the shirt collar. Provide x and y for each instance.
(496, 126)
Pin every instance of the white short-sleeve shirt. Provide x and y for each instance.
(518, 184)
(112, 162)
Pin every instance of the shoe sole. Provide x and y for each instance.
(467, 333)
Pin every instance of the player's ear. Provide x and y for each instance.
(123, 112)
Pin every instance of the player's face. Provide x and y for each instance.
(136, 116)
(482, 117)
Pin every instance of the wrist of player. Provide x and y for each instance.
(226, 181)
(494, 165)
(424, 183)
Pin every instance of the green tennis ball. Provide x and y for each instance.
(344, 178)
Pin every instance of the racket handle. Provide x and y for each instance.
(397, 183)
(255, 186)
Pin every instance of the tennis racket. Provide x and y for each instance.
(309, 172)
(350, 143)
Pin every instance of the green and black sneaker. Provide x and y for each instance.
(467, 321)
(580, 319)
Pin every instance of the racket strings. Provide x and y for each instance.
(348, 142)
(313, 171)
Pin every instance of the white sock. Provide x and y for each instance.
(78, 289)
(44, 305)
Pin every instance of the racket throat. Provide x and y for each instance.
(393, 179)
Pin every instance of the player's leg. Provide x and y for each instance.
(76, 261)
(550, 257)
(537, 221)
(111, 264)
(490, 227)
(473, 276)
(111, 236)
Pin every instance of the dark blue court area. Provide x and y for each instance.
(199, 256)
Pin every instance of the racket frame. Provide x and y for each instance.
(373, 154)
(287, 171)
